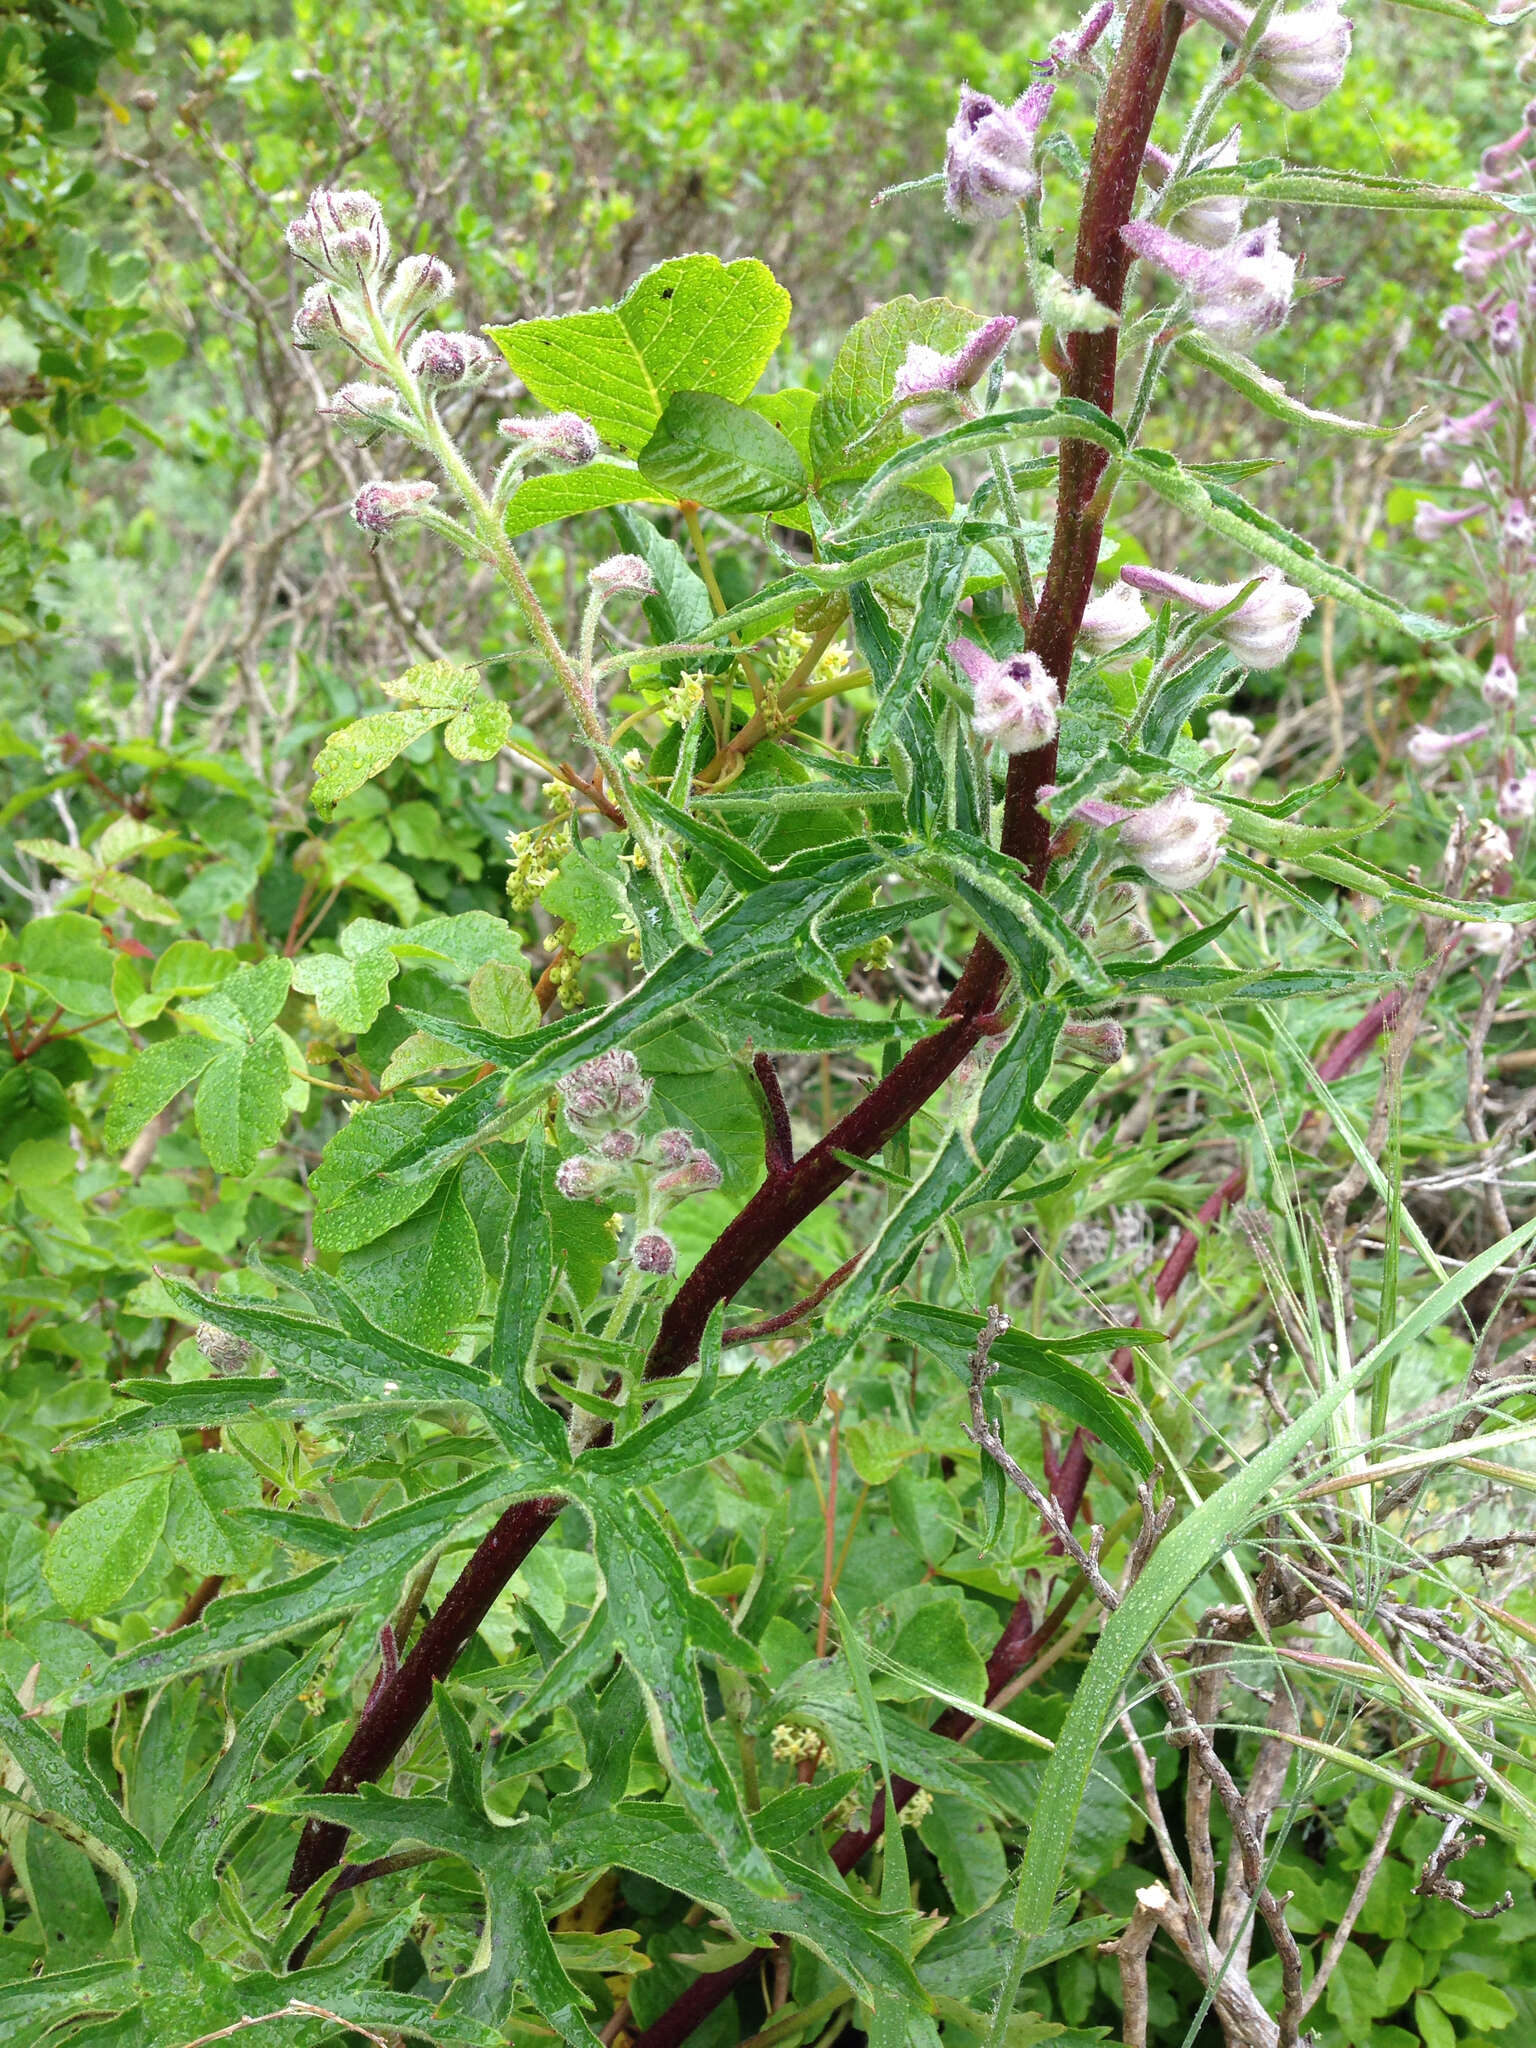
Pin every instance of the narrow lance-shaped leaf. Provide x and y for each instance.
(1271, 397)
(1026, 1367)
(526, 1282)
(661, 1625)
(370, 1571)
(754, 936)
(1005, 1102)
(1224, 512)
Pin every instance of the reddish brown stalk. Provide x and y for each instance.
(753, 1333)
(786, 1199)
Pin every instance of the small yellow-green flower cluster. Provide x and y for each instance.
(792, 1745)
(536, 858)
(567, 966)
(684, 698)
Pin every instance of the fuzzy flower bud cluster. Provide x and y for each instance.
(342, 236)
(1262, 631)
(605, 1100)
(1015, 702)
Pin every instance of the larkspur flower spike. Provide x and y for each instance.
(936, 382)
(1264, 629)
(382, 507)
(1016, 702)
(1237, 294)
(989, 158)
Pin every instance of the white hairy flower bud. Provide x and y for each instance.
(1176, 842)
(342, 235)
(622, 572)
(1016, 702)
(583, 1178)
(1489, 937)
(1489, 852)
(1461, 323)
(654, 1252)
(419, 283)
(381, 507)
(1429, 750)
(1519, 527)
(360, 411)
(989, 156)
(319, 319)
(1101, 1040)
(937, 381)
(1431, 520)
(1263, 630)
(1299, 58)
(1212, 222)
(1516, 803)
(604, 1094)
(1110, 618)
(694, 1175)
